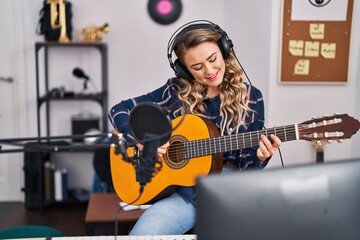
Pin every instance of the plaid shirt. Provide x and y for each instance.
(166, 96)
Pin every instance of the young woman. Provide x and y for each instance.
(208, 83)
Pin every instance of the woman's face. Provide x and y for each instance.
(206, 64)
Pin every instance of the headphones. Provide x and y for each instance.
(224, 43)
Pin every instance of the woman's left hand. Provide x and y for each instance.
(160, 150)
(267, 148)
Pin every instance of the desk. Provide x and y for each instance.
(103, 207)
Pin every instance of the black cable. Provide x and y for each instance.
(117, 220)
(281, 159)
(122, 207)
(248, 79)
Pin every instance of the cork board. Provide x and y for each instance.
(315, 49)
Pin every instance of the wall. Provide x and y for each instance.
(138, 63)
(296, 103)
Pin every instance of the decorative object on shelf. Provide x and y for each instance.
(82, 123)
(57, 92)
(164, 11)
(55, 21)
(94, 34)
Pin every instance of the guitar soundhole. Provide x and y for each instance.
(176, 153)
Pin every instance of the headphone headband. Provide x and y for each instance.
(225, 44)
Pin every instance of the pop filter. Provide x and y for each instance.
(150, 118)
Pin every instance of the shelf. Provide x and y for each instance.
(47, 97)
(39, 45)
(40, 152)
(69, 96)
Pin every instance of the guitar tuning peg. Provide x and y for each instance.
(329, 141)
(340, 140)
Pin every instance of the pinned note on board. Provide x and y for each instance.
(312, 49)
(296, 47)
(317, 30)
(328, 50)
(302, 67)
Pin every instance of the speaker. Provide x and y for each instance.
(80, 124)
(225, 44)
(34, 186)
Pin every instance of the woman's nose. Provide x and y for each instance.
(208, 69)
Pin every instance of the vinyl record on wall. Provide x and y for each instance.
(164, 11)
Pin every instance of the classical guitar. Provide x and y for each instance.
(196, 150)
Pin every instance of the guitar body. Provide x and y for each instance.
(175, 171)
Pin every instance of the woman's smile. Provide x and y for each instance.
(213, 77)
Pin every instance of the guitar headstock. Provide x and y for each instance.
(337, 127)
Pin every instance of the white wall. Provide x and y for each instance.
(296, 103)
(138, 64)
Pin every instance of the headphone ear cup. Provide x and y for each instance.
(225, 46)
(181, 71)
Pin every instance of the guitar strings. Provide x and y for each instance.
(203, 147)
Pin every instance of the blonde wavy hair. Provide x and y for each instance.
(232, 91)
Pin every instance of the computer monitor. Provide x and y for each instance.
(317, 201)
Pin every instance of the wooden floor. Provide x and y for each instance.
(68, 218)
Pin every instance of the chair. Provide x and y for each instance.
(30, 231)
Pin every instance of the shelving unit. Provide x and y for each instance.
(100, 97)
(34, 161)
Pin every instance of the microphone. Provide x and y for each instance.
(78, 72)
(146, 165)
(151, 126)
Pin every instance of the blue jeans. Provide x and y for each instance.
(169, 216)
(173, 215)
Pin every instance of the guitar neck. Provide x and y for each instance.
(209, 146)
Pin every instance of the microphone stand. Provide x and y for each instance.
(36, 144)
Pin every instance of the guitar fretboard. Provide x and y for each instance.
(209, 146)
